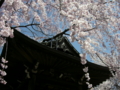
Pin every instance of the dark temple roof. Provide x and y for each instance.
(55, 59)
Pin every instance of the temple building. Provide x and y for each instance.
(53, 64)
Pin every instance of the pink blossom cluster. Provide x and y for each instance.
(2, 71)
(110, 84)
(91, 19)
(85, 69)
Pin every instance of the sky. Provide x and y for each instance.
(1, 50)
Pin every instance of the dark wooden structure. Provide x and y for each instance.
(59, 65)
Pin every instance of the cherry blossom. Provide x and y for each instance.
(3, 73)
(85, 69)
(95, 24)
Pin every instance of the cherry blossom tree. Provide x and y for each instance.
(94, 24)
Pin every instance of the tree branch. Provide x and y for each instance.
(101, 59)
(57, 35)
(1, 2)
(90, 29)
(24, 26)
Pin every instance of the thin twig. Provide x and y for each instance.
(24, 25)
(102, 60)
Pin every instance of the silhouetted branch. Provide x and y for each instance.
(1, 2)
(57, 35)
(101, 59)
(24, 26)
